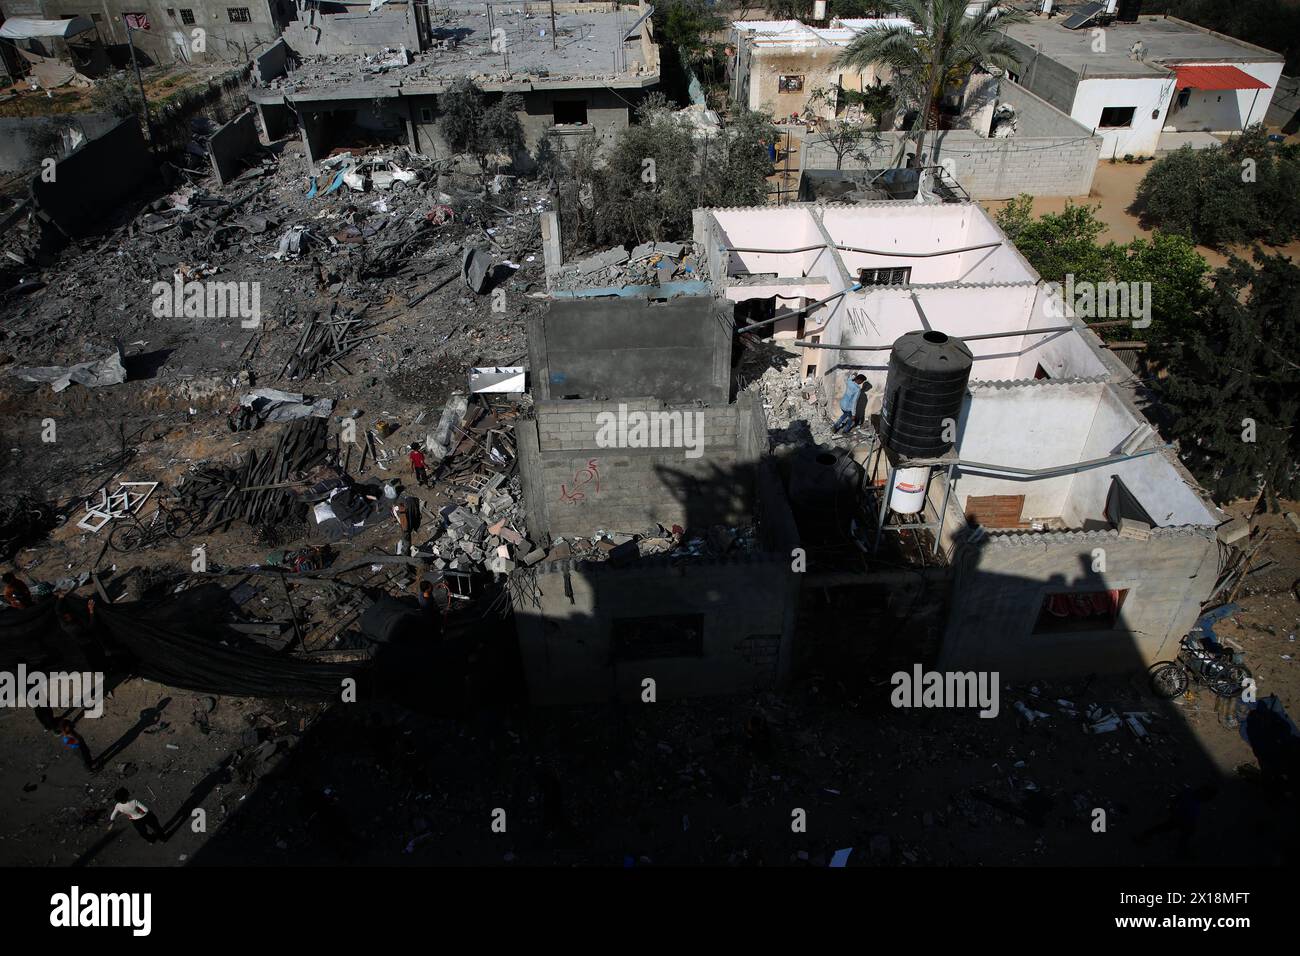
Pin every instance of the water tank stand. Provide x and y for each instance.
(895, 463)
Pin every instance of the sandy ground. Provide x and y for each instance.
(1113, 188)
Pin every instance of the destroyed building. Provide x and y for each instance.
(578, 68)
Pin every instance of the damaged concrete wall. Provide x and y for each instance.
(16, 151)
(392, 25)
(678, 350)
(273, 63)
(229, 146)
(607, 115)
(1000, 583)
(576, 485)
(92, 181)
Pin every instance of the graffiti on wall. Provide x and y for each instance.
(586, 477)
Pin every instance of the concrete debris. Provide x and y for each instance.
(649, 264)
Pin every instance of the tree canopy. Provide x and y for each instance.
(1247, 189)
(942, 51)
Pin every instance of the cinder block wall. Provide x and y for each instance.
(746, 605)
(999, 586)
(1051, 156)
(574, 486)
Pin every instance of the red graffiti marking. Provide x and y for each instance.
(583, 476)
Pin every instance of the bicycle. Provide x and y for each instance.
(1217, 667)
(130, 532)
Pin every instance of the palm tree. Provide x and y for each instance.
(940, 51)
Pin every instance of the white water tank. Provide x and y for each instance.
(907, 497)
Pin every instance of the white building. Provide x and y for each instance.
(1096, 547)
(1149, 85)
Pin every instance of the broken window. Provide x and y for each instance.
(570, 112)
(187, 16)
(1116, 117)
(239, 15)
(789, 84)
(896, 276)
(1070, 611)
(649, 638)
(426, 115)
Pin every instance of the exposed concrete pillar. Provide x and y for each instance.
(412, 139)
(310, 125)
(552, 251)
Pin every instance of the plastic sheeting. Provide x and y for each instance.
(164, 651)
(24, 28)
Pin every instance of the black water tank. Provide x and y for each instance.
(1129, 11)
(926, 384)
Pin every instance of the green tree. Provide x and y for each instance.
(941, 51)
(1065, 244)
(656, 173)
(1245, 190)
(485, 129)
(1233, 383)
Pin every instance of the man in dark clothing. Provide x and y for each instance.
(17, 594)
(73, 741)
(418, 465)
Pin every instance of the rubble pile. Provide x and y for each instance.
(491, 536)
(720, 541)
(649, 264)
(792, 404)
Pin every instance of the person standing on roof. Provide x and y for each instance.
(418, 464)
(849, 403)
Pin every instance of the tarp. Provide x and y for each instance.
(22, 28)
(105, 371)
(1216, 78)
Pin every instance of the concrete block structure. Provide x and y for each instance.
(228, 32)
(1033, 512)
(1050, 154)
(778, 64)
(578, 85)
(1133, 82)
(595, 631)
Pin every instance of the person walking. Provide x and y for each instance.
(849, 404)
(418, 465)
(142, 818)
(73, 741)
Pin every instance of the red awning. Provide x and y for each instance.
(1216, 78)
